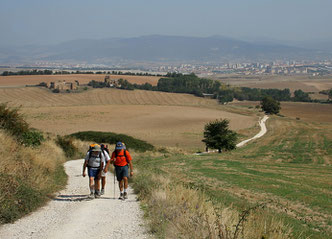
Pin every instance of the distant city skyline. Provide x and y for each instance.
(51, 22)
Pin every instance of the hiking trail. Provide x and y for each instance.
(70, 214)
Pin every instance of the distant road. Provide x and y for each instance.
(260, 134)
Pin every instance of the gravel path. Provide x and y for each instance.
(260, 134)
(72, 215)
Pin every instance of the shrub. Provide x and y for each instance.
(32, 138)
(112, 138)
(13, 122)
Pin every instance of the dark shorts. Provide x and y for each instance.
(121, 172)
(93, 172)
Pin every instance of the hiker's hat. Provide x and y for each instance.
(119, 145)
(96, 148)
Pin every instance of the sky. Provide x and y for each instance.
(24, 22)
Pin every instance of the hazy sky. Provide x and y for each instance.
(48, 22)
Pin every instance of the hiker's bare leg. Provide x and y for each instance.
(97, 184)
(103, 182)
(125, 182)
(92, 183)
(121, 185)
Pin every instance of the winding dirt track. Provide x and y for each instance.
(260, 134)
(72, 215)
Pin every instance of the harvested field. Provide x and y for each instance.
(310, 112)
(305, 83)
(164, 119)
(40, 97)
(6, 81)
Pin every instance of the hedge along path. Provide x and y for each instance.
(72, 215)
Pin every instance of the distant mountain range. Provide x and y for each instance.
(159, 48)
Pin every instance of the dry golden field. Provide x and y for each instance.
(305, 83)
(10, 81)
(309, 112)
(164, 119)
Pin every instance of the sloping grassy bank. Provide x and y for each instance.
(28, 176)
(176, 207)
(31, 166)
(278, 186)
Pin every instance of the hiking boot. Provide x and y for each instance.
(121, 196)
(125, 195)
(91, 195)
(97, 195)
(102, 192)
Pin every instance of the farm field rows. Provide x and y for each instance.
(164, 119)
(6, 81)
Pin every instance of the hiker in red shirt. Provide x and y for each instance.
(121, 160)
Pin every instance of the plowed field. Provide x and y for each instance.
(164, 119)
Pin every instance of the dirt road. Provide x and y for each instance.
(72, 215)
(260, 134)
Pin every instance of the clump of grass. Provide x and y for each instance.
(68, 146)
(13, 122)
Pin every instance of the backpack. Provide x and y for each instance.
(124, 154)
(90, 151)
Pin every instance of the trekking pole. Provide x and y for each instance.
(114, 185)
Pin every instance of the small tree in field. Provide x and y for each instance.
(270, 105)
(218, 136)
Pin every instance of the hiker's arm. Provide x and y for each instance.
(106, 167)
(84, 167)
(131, 168)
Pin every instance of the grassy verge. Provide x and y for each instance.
(28, 176)
(288, 172)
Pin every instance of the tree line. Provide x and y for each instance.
(51, 72)
(192, 84)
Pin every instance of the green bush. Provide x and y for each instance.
(67, 145)
(112, 138)
(32, 138)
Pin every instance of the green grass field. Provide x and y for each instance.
(289, 170)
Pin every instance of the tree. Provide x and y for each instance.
(270, 105)
(218, 136)
(330, 94)
(299, 95)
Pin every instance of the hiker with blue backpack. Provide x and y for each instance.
(94, 161)
(122, 161)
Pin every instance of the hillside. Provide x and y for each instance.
(159, 48)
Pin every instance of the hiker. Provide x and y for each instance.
(94, 161)
(121, 159)
(106, 152)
